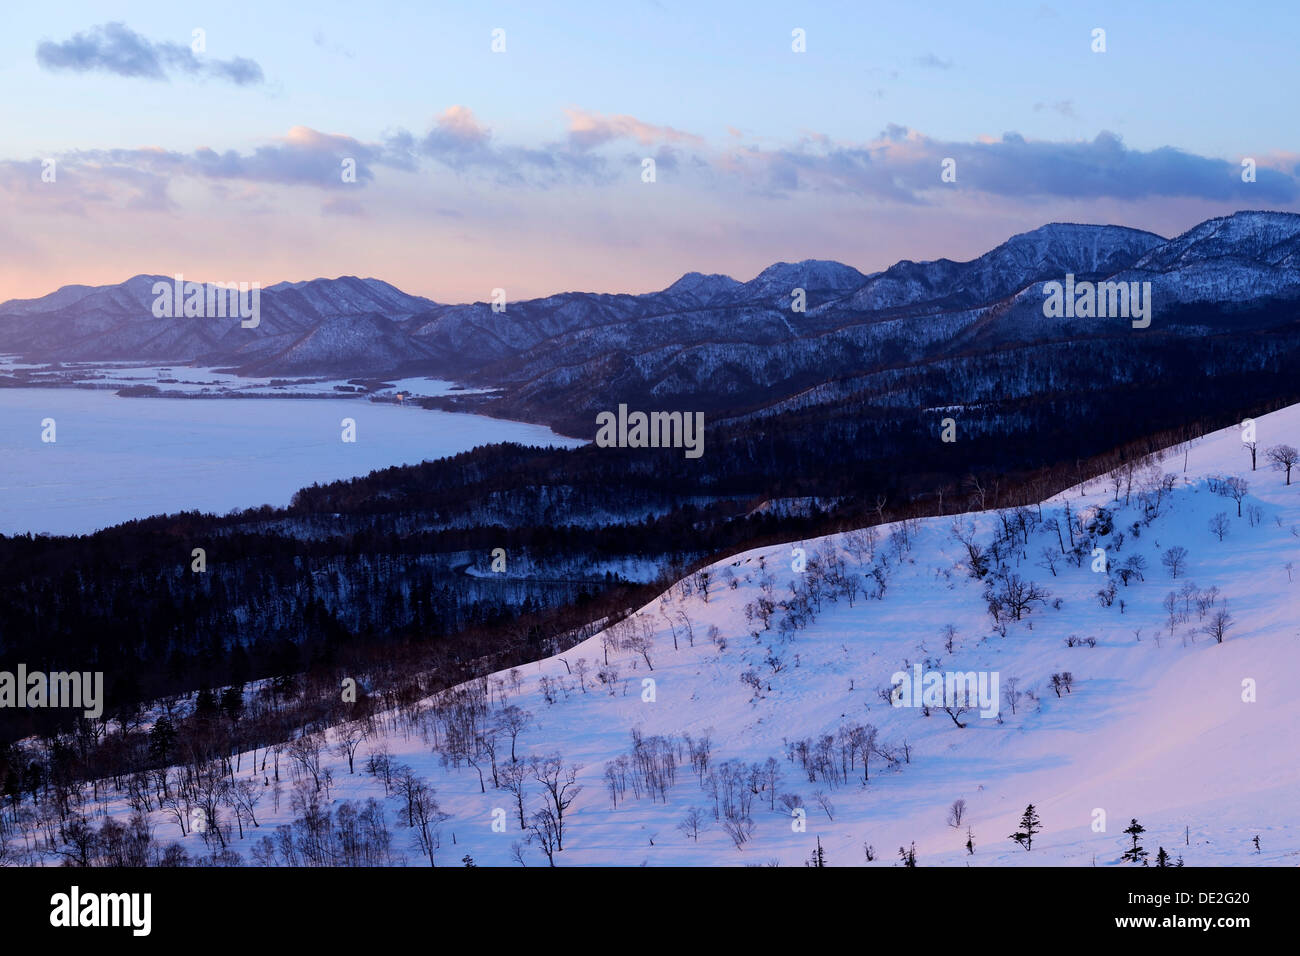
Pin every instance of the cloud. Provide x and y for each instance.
(76, 187)
(1064, 107)
(116, 48)
(932, 62)
(318, 37)
(458, 140)
(309, 157)
(458, 123)
(903, 165)
(303, 157)
(588, 130)
(900, 165)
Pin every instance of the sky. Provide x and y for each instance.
(221, 154)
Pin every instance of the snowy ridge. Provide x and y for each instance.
(1151, 724)
(551, 355)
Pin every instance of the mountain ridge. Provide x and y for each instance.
(706, 341)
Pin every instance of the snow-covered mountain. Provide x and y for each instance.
(776, 283)
(757, 693)
(1271, 238)
(80, 323)
(1045, 253)
(697, 289)
(702, 335)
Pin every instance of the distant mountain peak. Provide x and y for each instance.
(693, 281)
(826, 273)
(1080, 230)
(702, 321)
(1270, 237)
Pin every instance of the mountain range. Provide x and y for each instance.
(707, 342)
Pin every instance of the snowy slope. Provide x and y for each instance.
(1154, 726)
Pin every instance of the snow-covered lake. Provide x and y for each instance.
(115, 459)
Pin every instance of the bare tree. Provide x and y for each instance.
(715, 636)
(561, 789)
(1220, 621)
(608, 642)
(1219, 524)
(513, 721)
(517, 853)
(513, 779)
(956, 712)
(1012, 693)
(423, 815)
(694, 821)
(1174, 560)
(1236, 489)
(488, 743)
(545, 830)
(349, 739)
(1170, 604)
(740, 829)
(1050, 556)
(955, 814)
(1018, 595)
(640, 640)
(177, 805)
(824, 801)
(305, 752)
(1132, 568)
(1283, 458)
(243, 796)
(684, 620)
(949, 635)
(861, 543)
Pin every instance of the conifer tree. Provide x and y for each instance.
(819, 856)
(1029, 825)
(206, 704)
(161, 740)
(1135, 853)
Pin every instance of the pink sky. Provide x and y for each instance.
(454, 213)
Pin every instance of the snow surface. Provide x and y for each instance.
(215, 383)
(1156, 730)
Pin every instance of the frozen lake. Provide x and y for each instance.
(115, 459)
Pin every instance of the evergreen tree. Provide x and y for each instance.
(161, 740)
(232, 702)
(206, 705)
(908, 856)
(1135, 853)
(1162, 858)
(1029, 825)
(819, 856)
